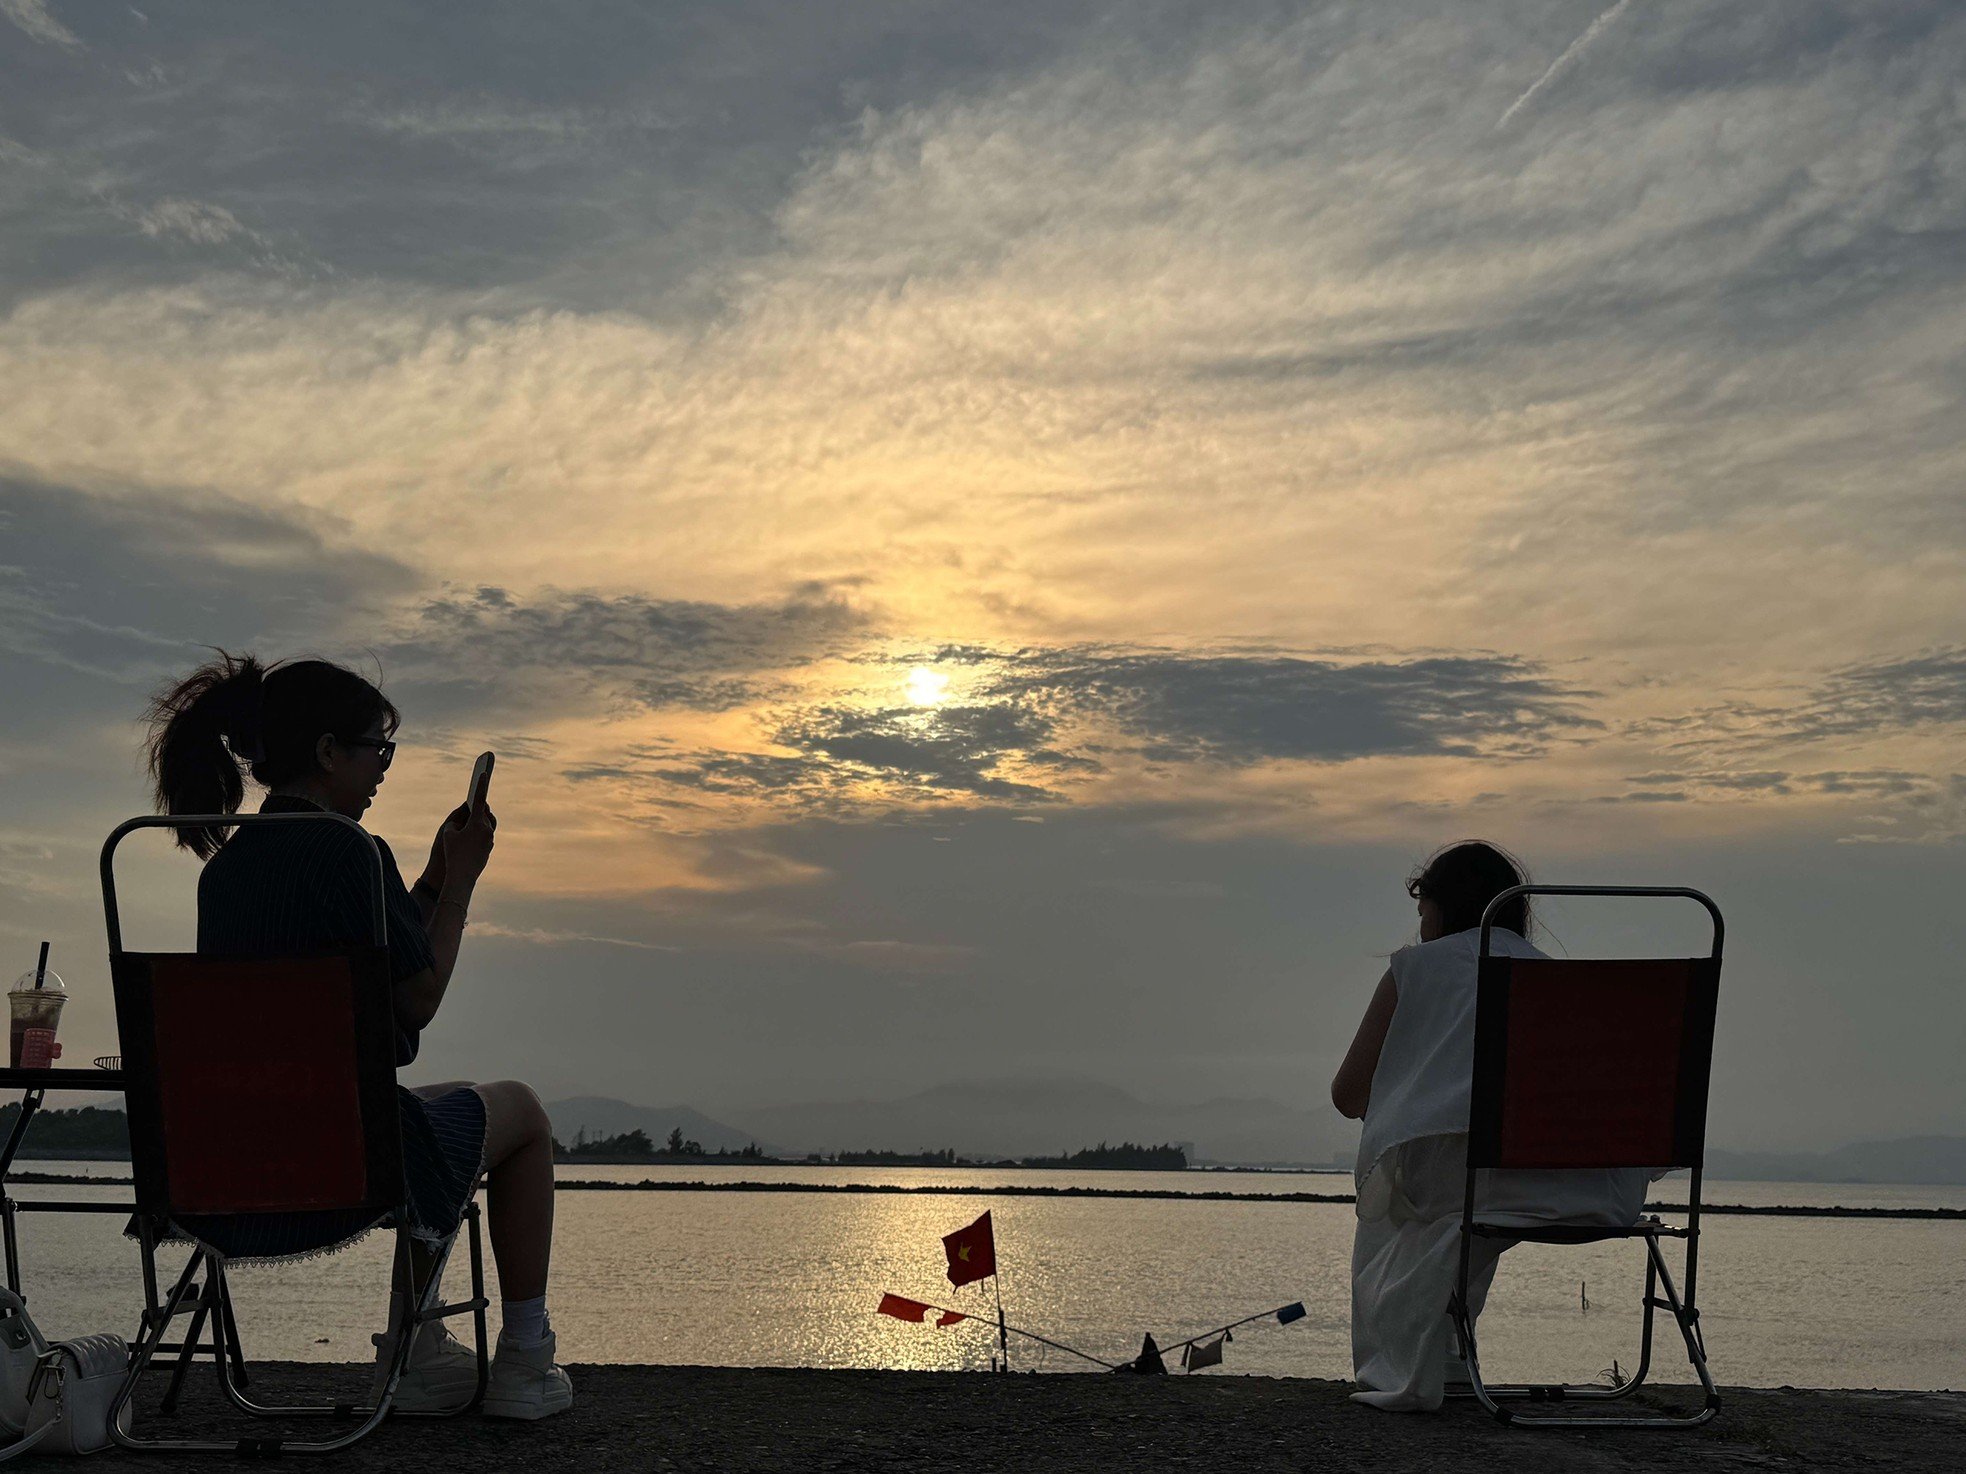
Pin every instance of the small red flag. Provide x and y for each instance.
(972, 1252)
(902, 1308)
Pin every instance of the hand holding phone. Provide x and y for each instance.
(452, 841)
(467, 836)
(481, 776)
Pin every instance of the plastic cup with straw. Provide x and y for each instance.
(35, 1005)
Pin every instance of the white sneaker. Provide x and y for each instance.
(442, 1374)
(525, 1382)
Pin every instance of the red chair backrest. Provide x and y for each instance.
(1601, 1063)
(259, 1085)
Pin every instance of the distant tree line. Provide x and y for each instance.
(97, 1131)
(85, 1131)
(1127, 1155)
(636, 1146)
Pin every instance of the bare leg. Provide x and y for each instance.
(519, 1159)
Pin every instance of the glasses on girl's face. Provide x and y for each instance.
(385, 750)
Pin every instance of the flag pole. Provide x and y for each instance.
(1003, 1331)
(1203, 1336)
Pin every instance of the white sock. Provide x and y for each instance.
(525, 1321)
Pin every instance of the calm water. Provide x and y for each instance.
(791, 1279)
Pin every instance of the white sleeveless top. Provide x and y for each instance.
(1424, 1083)
(1412, 1155)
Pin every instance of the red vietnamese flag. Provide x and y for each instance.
(972, 1252)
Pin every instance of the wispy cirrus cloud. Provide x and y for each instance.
(39, 23)
(1835, 782)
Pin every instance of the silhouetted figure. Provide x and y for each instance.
(320, 738)
(1409, 1078)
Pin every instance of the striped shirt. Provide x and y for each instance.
(282, 889)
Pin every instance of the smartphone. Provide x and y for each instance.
(481, 774)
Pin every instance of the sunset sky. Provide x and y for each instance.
(990, 538)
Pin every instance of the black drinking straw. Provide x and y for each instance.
(41, 967)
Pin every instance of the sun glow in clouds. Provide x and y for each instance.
(927, 687)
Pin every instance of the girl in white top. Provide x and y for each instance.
(1408, 1076)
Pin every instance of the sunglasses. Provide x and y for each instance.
(385, 750)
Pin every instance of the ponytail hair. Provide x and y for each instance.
(234, 716)
(1463, 878)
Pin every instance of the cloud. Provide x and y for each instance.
(855, 762)
(191, 219)
(947, 749)
(1901, 697)
(1840, 782)
(119, 588)
(489, 645)
(1920, 690)
(1033, 726)
(495, 122)
(1247, 708)
(34, 17)
(551, 937)
(1741, 782)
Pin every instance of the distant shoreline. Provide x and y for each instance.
(1160, 1194)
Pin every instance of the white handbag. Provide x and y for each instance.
(56, 1397)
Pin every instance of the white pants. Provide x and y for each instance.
(1406, 1253)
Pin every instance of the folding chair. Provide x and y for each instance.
(1593, 1063)
(264, 1085)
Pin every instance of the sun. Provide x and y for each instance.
(927, 687)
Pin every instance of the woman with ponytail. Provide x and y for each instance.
(1409, 1077)
(317, 736)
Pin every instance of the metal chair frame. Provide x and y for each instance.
(1660, 1291)
(211, 1303)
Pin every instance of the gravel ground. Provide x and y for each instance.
(707, 1418)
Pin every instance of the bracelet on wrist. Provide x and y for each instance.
(463, 911)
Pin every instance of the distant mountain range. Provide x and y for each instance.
(600, 1116)
(999, 1119)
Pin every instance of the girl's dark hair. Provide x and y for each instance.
(235, 713)
(1463, 878)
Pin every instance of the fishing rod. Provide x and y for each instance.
(1020, 1331)
(1219, 1330)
